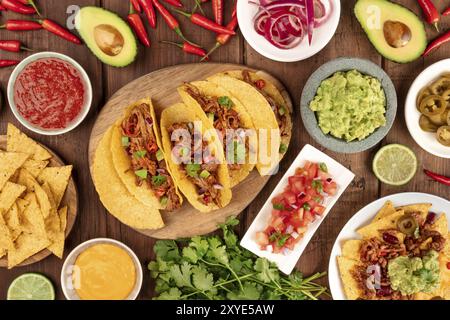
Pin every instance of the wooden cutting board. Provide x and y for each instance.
(162, 86)
(70, 200)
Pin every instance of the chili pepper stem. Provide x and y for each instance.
(31, 2)
(26, 49)
(198, 6)
(436, 26)
(216, 46)
(181, 35)
(179, 45)
(186, 14)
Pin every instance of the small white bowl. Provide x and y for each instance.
(67, 269)
(426, 140)
(321, 36)
(286, 263)
(87, 85)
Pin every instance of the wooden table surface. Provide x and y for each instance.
(93, 221)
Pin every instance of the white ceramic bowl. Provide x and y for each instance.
(340, 174)
(426, 140)
(67, 269)
(87, 98)
(322, 35)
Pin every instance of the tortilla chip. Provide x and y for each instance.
(441, 225)
(6, 240)
(19, 142)
(26, 179)
(263, 118)
(350, 249)
(373, 230)
(9, 195)
(35, 167)
(12, 220)
(57, 247)
(33, 221)
(58, 179)
(26, 246)
(113, 194)
(181, 113)
(386, 210)
(52, 223)
(419, 207)
(2, 252)
(9, 163)
(351, 286)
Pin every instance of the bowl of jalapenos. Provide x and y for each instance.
(427, 109)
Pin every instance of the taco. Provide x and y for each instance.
(115, 196)
(195, 157)
(268, 99)
(139, 159)
(229, 118)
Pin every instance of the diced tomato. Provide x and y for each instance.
(269, 230)
(296, 218)
(290, 197)
(290, 243)
(278, 224)
(330, 188)
(319, 209)
(312, 170)
(278, 199)
(324, 175)
(308, 217)
(296, 184)
(262, 238)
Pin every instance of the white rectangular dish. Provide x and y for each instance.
(286, 263)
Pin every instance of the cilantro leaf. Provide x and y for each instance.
(192, 169)
(266, 272)
(251, 291)
(166, 250)
(182, 274)
(225, 101)
(190, 254)
(172, 294)
(202, 280)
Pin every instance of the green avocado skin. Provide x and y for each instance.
(111, 18)
(417, 28)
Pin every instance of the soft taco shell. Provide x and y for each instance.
(261, 113)
(210, 89)
(180, 113)
(115, 196)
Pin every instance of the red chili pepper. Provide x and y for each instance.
(147, 6)
(8, 63)
(446, 12)
(217, 6)
(56, 29)
(31, 3)
(17, 7)
(205, 23)
(189, 48)
(12, 46)
(21, 25)
(171, 21)
(448, 265)
(2, 8)
(175, 3)
(136, 5)
(439, 178)
(430, 12)
(437, 43)
(135, 21)
(223, 39)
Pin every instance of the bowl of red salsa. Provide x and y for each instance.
(49, 93)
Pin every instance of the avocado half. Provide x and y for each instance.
(107, 35)
(372, 15)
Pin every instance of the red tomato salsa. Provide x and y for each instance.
(301, 202)
(49, 93)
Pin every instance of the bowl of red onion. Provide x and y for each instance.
(288, 30)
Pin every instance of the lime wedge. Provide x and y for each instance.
(31, 286)
(395, 164)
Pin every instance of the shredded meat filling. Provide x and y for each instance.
(142, 149)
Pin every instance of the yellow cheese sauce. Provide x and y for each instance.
(104, 272)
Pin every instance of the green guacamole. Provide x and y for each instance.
(350, 105)
(413, 275)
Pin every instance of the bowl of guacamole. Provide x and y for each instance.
(348, 105)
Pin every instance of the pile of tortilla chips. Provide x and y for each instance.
(31, 216)
(386, 219)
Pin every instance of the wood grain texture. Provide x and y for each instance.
(93, 221)
(70, 199)
(163, 93)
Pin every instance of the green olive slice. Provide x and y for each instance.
(443, 135)
(432, 105)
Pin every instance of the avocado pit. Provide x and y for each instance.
(109, 39)
(397, 34)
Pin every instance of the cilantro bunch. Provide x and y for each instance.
(216, 268)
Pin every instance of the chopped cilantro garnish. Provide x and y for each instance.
(278, 206)
(163, 201)
(317, 184)
(125, 141)
(283, 148)
(192, 169)
(139, 154)
(159, 155)
(158, 180)
(306, 206)
(323, 167)
(141, 173)
(225, 101)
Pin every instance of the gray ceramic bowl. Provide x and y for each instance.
(327, 70)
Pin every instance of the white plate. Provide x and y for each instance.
(427, 140)
(286, 263)
(321, 36)
(363, 217)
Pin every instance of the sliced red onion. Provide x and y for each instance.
(269, 248)
(295, 235)
(161, 170)
(218, 186)
(289, 229)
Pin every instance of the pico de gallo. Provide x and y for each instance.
(301, 202)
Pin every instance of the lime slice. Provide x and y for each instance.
(395, 164)
(31, 286)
